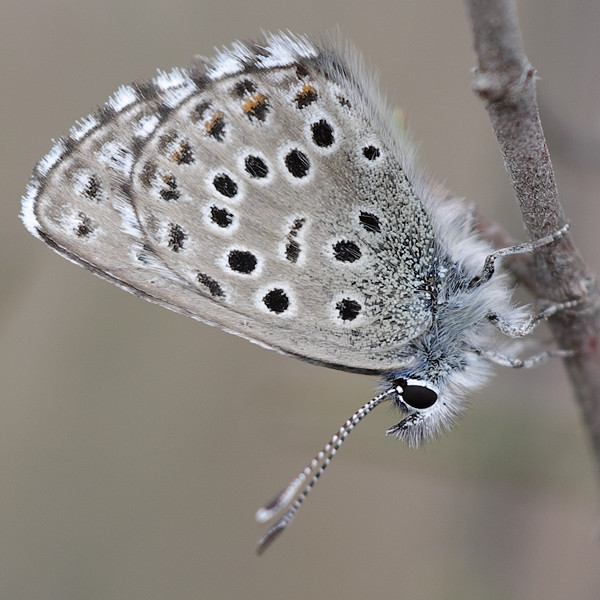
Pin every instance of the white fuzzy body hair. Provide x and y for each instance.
(448, 354)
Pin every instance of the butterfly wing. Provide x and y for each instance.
(264, 192)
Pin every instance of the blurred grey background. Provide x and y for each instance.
(135, 444)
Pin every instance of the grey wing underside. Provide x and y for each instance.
(154, 194)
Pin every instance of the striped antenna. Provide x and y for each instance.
(315, 469)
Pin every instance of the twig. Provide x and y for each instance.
(505, 81)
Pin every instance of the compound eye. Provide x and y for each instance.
(418, 396)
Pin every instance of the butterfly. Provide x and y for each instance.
(268, 191)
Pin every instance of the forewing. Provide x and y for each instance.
(259, 192)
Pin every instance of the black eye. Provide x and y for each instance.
(418, 396)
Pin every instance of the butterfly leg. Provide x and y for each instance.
(488, 266)
(523, 329)
(516, 363)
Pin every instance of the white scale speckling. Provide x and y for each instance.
(267, 192)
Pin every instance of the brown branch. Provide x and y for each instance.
(505, 81)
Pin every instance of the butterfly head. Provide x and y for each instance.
(428, 410)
